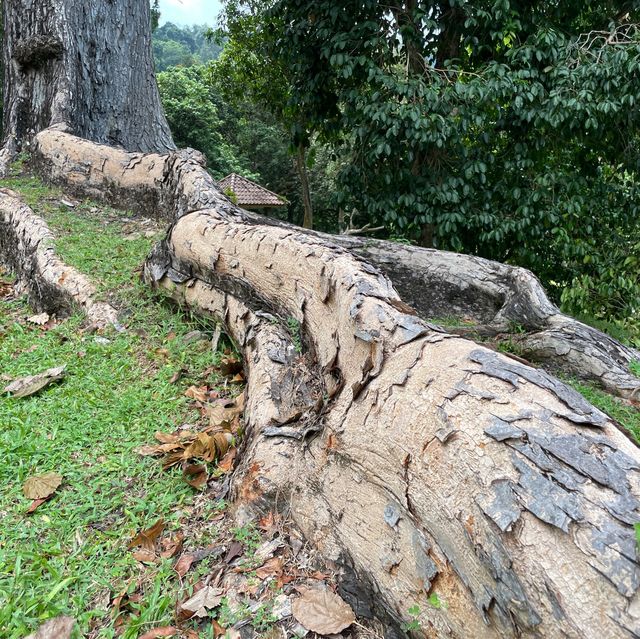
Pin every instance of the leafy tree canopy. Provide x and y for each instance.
(182, 46)
(507, 129)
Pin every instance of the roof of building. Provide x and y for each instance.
(248, 193)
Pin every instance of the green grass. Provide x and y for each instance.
(70, 556)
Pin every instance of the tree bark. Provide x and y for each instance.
(303, 174)
(418, 461)
(27, 248)
(59, 70)
(437, 284)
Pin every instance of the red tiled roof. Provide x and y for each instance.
(249, 193)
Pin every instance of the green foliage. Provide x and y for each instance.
(174, 45)
(249, 71)
(193, 117)
(295, 330)
(496, 129)
(155, 15)
(249, 536)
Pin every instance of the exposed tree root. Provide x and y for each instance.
(27, 248)
(435, 283)
(498, 296)
(418, 461)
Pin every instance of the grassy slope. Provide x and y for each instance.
(70, 556)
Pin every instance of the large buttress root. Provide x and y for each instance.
(417, 460)
(435, 283)
(27, 248)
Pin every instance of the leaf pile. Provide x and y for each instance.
(211, 444)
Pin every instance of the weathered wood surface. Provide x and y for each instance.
(57, 72)
(435, 283)
(27, 248)
(419, 461)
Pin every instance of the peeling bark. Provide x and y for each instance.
(57, 71)
(27, 248)
(435, 283)
(419, 461)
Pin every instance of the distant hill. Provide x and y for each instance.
(174, 45)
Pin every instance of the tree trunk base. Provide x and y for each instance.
(436, 472)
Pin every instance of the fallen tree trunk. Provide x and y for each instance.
(27, 249)
(419, 462)
(435, 283)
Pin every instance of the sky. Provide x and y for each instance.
(185, 12)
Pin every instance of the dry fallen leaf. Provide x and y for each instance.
(320, 610)
(163, 631)
(196, 475)
(145, 556)
(199, 393)
(184, 563)
(271, 568)
(204, 600)
(172, 546)
(26, 386)
(41, 486)
(40, 319)
(58, 628)
(230, 366)
(147, 538)
(225, 465)
(35, 504)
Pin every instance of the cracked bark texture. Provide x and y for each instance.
(419, 461)
(59, 71)
(435, 283)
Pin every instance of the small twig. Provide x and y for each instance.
(367, 228)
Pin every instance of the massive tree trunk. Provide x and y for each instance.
(418, 461)
(86, 65)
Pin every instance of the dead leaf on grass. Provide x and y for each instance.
(40, 319)
(172, 546)
(163, 631)
(146, 539)
(177, 375)
(58, 628)
(183, 564)
(320, 610)
(203, 601)
(199, 393)
(41, 486)
(30, 385)
(145, 556)
(196, 475)
(35, 504)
